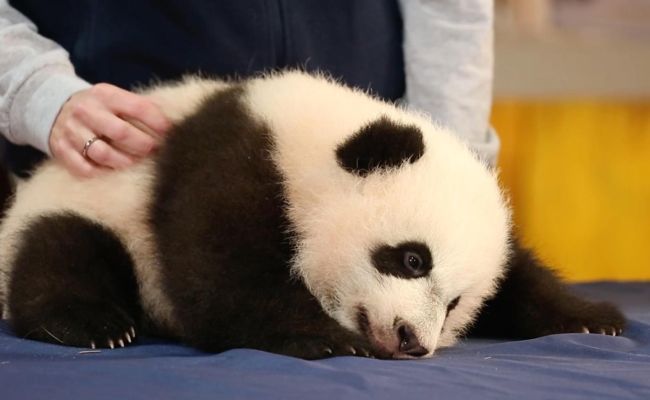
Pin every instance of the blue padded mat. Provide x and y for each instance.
(569, 366)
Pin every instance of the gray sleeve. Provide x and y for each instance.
(36, 78)
(448, 57)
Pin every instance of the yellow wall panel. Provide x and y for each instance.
(578, 174)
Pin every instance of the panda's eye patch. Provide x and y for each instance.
(406, 260)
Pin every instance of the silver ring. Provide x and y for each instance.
(87, 145)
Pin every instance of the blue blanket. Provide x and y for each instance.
(569, 366)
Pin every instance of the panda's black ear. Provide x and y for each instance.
(379, 145)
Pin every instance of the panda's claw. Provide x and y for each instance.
(121, 343)
(361, 352)
(132, 330)
(92, 325)
(317, 347)
(609, 331)
(127, 337)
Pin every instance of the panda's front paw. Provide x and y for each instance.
(316, 348)
(349, 349)
(587, 317)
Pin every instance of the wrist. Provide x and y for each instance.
(38, 103)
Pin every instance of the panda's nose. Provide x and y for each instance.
(408, 342)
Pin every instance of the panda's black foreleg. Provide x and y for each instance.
(73, 283)
(292, 324)
(532, 301)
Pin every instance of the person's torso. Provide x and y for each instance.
(130, 43)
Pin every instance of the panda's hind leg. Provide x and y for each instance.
(73, 283)
(532, 301)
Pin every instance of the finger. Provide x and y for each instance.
(72, 159)
(122, 134)
(133, 106)
(104, 154)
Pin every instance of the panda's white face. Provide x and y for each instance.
(393, 252)
(397, 222)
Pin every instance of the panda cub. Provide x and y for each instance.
(285, 213)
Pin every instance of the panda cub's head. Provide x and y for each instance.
(402, 232)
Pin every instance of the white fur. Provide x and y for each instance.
(447, 199)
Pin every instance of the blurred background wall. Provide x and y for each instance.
(572, 107)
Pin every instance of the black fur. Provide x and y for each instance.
(452, 304)
(390, 260)
(532, 302)
(381, 144)
(219, 223)
(72, 283)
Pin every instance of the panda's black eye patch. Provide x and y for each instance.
(407, 260)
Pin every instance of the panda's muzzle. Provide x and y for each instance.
(400, 343)
(409, 345)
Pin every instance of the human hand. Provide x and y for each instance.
(127, 127)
